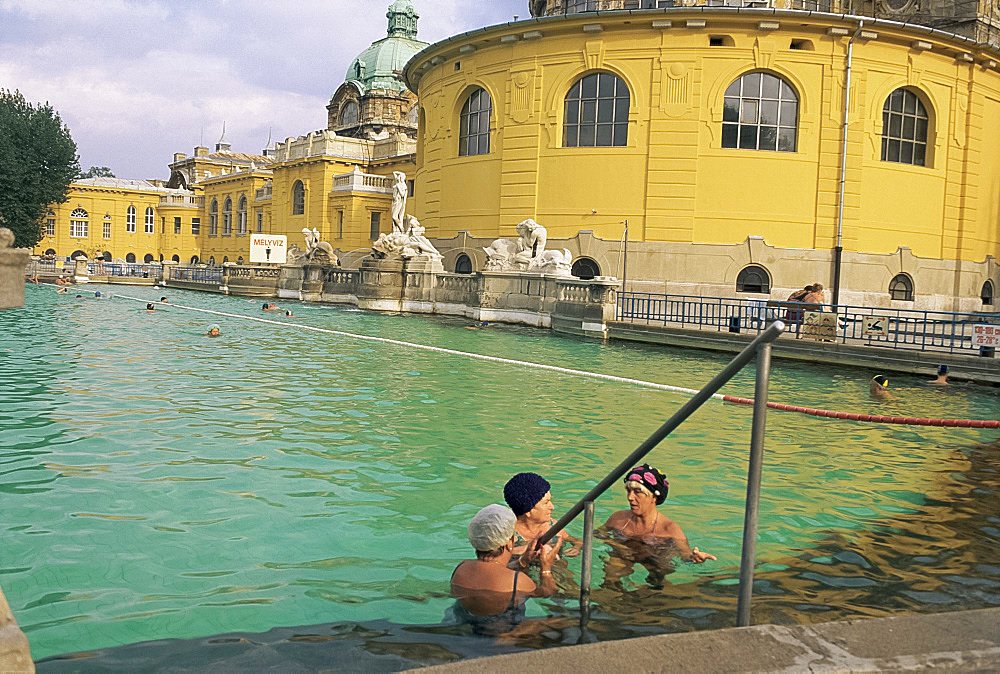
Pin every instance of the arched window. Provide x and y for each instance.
(597, 112)
(225, 259)
(585, 268)
(211, 261)
(149, 258)
(349, 114)
(239, 260)
(213, 218)
(463, 264)
(474, 129)
(107, 256)
(76, 254)
(194, 259)
(753, 279)
(79, 223)
(904, 129)
(227, 218)
(130, 258)
(148, 222)
(760, 112)
(901, 288)
(175, 258)
(241, 217)
(987, 294)
(130, 220)
(50, 251)
(298, 198)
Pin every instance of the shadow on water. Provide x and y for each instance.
(926, 560)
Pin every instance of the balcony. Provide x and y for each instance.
(356, 181)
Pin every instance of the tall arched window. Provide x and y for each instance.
(349, 114)
(987, 293)
(148, 222)
(597, 112)
(130, 219)
(904, 129)
(474, 129)
(227, 218)
(753, 279)
(760, 112)
(79, 223)
(213, 218)
(241, 217)
(901, 288)
(298, 198)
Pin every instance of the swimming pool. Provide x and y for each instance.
(155, 483)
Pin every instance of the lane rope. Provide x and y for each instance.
(811, 411)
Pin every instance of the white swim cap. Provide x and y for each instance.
(492, 528)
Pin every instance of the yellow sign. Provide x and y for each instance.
(819, 325)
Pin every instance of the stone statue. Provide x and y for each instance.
(528, 253)
(531, 244)
(500, 255)
(316, 251)
(407, 245)
(399, 192)
(418, 241)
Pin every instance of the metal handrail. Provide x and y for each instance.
(759, 348)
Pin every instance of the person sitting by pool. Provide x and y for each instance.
(642, 535)
(879, 388)
(942, 376)
(529, 496)
(490, 596)
(150, 308)
(214, 331)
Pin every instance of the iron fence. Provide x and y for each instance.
(876, 326)
(197, 274)
(48, 268)
(125, 270)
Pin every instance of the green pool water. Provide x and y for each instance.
(158, 484)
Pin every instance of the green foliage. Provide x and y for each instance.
(97, 172)
(37, 162)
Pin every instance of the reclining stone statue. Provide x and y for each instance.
(528, 253)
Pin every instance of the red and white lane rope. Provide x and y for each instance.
(871, 418)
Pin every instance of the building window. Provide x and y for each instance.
(227, 218)
(376, 223)
(211, 260)
(107, 227)
(411, 188)
(474, 129)
(130, 220)
(194, 259)
(147, 224)
(585, 268)
(753, 279)
(986, 294)
(130, 258)
(260, 221)
(904, 129)
(149, 258)
(177, 225)
(241, 217)
(298, 198)
(463, 264)
(901, 288)
(760, 112)
(213, 218)
(78, 223)
(340, 224)
(196, 226)
(50, 224)
(577, 6)
(597, 112)
(349, 114)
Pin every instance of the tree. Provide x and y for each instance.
(37, 162)
(97, 172)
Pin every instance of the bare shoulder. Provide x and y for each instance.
(618, 519)
(670, 529)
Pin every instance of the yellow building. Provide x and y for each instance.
(704, 126)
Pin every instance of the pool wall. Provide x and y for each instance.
(15, 654)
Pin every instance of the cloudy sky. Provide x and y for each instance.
(137, 80)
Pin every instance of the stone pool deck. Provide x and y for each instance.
(962, 641)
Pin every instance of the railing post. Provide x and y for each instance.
(586, 558)
(753, 484)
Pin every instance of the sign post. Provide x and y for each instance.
(270, 248)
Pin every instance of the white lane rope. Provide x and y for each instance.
(435, 349)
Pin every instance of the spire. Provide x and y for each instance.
(402, 19)
(223, 144)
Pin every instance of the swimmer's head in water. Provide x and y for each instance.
(942, 370)
(214, 327)
(651, 479)
(149, 306)
(523, 492)
(881, 380)
(288, 312)
(492, 528)
(163, 299)
(97, 294)
(79, 297)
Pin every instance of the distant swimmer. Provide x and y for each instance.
(214, 331)
(79, 297)
(163, 300)
(150, 308)
(269, 307)
(289, 314)
(60, 291)
(879, 388)
(942, 376)
(477, 326)
(97, 294)
(62, 282)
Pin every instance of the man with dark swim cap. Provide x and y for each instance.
(530, 498)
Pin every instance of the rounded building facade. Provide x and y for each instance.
(708, 126)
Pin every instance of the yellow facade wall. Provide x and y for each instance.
(674, 181)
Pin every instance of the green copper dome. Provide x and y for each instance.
(380, 66)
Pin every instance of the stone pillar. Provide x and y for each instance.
(585, 307)
(80, 273)
(15, 654)
(12, 264)
(420, 283)
(381, 285)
